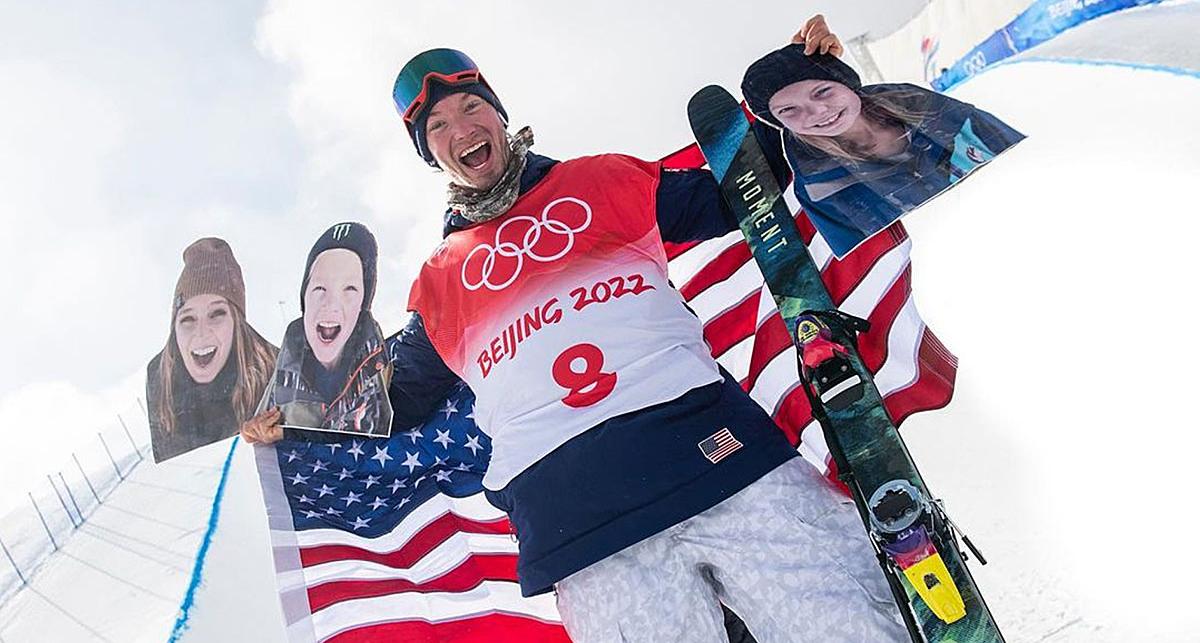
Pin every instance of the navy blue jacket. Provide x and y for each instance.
(633, 475)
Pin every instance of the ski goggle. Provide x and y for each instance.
(448, 66)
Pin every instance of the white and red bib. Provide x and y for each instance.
(559, 315)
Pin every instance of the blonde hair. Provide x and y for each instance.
(884, 108)
(256, 364)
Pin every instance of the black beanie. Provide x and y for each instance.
(783, 67)
(437, 91)
(356, 238)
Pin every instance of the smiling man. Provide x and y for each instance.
(644, 485)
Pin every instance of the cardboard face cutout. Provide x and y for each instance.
(333, 371)
(214, 367)
(864, 156)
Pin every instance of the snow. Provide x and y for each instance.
(120, 576)
(1059, 275)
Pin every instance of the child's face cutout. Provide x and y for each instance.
(204, 335)
(332, 302)
(816, 107)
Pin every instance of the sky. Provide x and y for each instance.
(129, 130)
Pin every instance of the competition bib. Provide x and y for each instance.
(559, 314)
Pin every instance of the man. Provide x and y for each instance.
(645, 487)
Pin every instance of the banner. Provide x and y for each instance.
(1042, 21)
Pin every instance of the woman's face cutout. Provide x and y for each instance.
(816, 107)
(204, 335)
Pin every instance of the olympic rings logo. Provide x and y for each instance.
(544, 240)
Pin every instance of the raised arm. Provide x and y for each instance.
(690, 207)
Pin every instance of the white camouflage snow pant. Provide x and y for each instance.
(788, 554)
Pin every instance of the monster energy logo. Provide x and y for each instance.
(761, 210)
(341, 231)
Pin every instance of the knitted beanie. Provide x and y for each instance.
(437, 91)
(783, 67)
(356, 238)
(210, 269)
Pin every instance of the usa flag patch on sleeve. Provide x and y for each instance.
(719, 445)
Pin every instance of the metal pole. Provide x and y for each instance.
(130, 436)
(110, 458)
(143, 408)
(44, 525)
(85, 478)
(14, 563)
(71, 496)
(60, 499)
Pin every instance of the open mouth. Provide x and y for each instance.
(327, 332)
(830, 121)
(477, 155)
(204, 356)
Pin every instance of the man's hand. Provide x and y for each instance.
(816, 37)
(263, 428)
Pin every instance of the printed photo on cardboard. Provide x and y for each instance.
(332, 373)
(864, 156)
(213, 370)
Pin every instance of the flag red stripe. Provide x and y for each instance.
(724, 331)
(842, 276)
(496, 627)
(677, 249)
(770, 340)
(873, 344)
(933, 388)
(719, 269)
(423, 542)
(464, 577)
(794, 414)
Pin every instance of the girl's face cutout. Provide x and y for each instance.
(204, 335)
(816, 107)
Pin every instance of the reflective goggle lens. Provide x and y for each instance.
(447, 65)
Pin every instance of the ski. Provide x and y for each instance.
(914, 541)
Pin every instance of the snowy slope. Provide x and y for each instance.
(123, 573)
(1061, 277)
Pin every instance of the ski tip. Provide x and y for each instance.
(708, 95)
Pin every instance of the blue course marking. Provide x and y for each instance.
(181, 621)
(1166, 69)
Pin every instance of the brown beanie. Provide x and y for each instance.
(210, 269)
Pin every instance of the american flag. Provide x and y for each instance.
(721, 444)
(392, 539)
